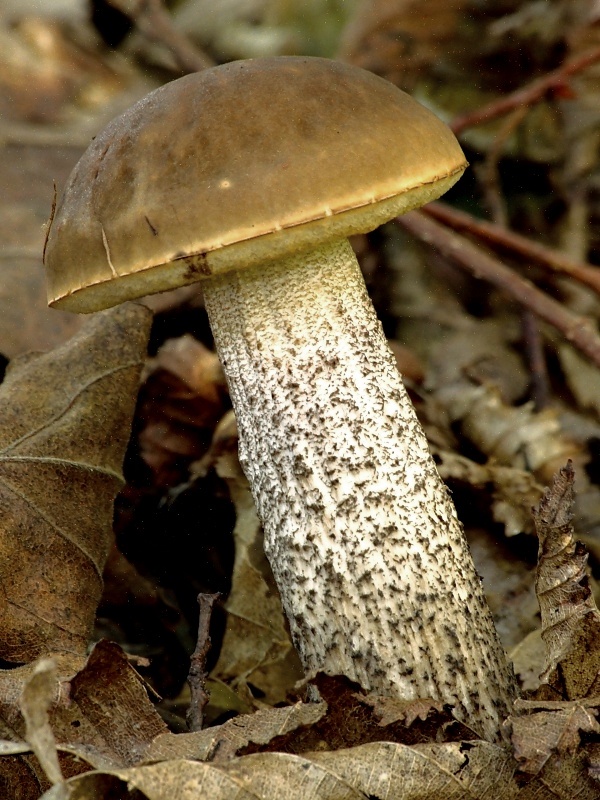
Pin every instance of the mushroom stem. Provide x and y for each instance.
(372, 564)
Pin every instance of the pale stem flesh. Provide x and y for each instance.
(372, 564)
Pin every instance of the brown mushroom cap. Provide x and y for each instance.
(244, 163)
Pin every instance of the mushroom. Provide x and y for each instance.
(250, 176)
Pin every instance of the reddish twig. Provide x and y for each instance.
(528, 95)
(197, 674)
(497, 236)
(155, 23)
(576, 329)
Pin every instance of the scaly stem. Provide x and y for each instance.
(372, 564)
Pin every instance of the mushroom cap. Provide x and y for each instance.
(237, 165)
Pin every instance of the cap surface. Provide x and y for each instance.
(239, 164)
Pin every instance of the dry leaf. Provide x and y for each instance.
(570, 619)
(222, 742)
(354, 718)
(79, 716)
(181, 401)
(110, 705)
(256, 648)
(97, 709)
(538, 736)
(64, 424)
(582, 377)
(392, 709)
(515, 436)
(381, 771)
(38, 695)
(513, 491)
(528, 658)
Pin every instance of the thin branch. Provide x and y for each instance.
(528, 95)
(197, 674)
(497, 236)
(576, 329)
(489, 173)
(155, 23)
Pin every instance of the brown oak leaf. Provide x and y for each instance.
(65, 418)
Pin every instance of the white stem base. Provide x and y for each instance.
(373, 568)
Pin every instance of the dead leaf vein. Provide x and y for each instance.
(64, 462)
(70, 403)
(50, 522)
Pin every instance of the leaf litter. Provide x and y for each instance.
(83, 712)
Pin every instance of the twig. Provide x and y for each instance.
(156, 24)
(576, 329)
(534, 350)
(197, 674)
(489, 172)
(498, 236)
(528, 95)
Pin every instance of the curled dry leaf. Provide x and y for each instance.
(39, 694)
(518, 436)
(97, 709)
(570, 619)
(65, 421)
(528, 658)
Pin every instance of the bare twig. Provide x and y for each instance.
(528, 95)
(155, 23)
(498, 236)
(576, 329)
(489, 172)
(534, 350)
(197, 674)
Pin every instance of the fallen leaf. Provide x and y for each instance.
(37, 697)
(570, 619)
(461, 771)
(256, 647)
(539, 735)
(509, 435)
(109, 703)
(221, 742)
(513, 491)
(65, 421)
(528, 658)
(96, 710)
(181, 401)
(391, 709)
